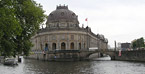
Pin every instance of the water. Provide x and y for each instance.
(81, 67)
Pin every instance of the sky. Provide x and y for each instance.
(118, 20)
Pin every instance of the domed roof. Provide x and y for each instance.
(62, 13)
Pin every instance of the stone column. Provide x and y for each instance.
(67, 42)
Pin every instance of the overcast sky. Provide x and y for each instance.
(120, 20)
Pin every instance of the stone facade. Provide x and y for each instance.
(62, 32)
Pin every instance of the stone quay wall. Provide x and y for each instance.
(74, 55)
(135, 55)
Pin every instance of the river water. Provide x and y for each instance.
(28, 66)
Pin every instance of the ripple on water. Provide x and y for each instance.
(80, 67)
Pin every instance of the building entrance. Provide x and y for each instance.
(63, 46)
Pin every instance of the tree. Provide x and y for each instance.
(30, 15)
(138, 43)
(19, 20)
(10, 27)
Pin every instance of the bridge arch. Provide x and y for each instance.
(110, 53)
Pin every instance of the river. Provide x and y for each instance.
(28, 66)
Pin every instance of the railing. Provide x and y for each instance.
(64, 51)
(56, 51)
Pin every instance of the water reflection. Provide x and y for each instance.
(57, 67)
(81, 67)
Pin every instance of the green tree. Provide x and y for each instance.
(30, 15)
(138, 43)
(134, 44)
(19, 21)
(9, 27)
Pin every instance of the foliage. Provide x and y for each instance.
(138, 43)
(19, 21)
(10, 27)
(31, 16)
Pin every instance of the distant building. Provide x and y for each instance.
(125, 46)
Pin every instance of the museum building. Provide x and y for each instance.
(62, 32)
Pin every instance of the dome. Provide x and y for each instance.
(62, 14)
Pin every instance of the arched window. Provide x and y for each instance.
(73, 14)
(72, 37)
(51, 15)
(72, 45)
(54, 46)
(62, 13)
(79, 45)
(63, 46)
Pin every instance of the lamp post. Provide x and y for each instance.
(115, 45)
(87, 39)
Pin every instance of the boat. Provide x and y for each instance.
(10, 61)
(1, 59)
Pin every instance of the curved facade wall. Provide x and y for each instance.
(64, 40)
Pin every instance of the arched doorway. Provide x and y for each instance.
(72, 45)
(79, 45)
(63, 46)
(54, 46)
(46, 47)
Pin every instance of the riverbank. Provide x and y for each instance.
(136, 55)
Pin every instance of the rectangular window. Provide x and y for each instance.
(72, 37)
